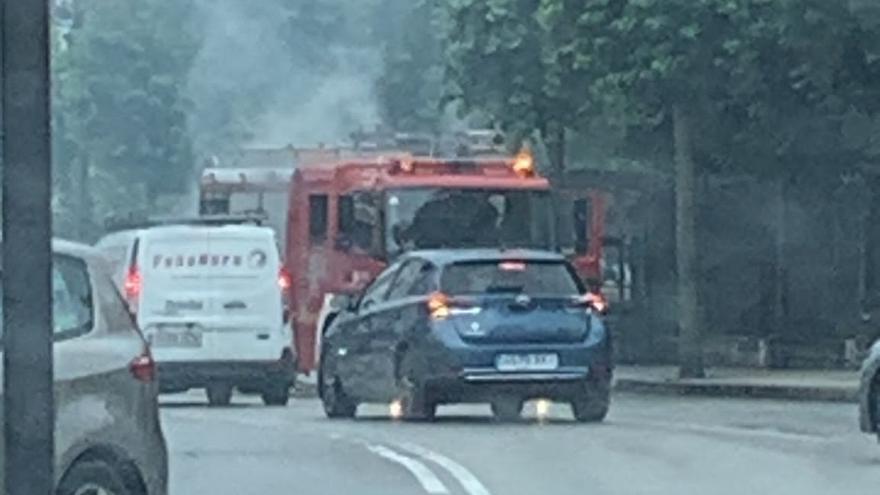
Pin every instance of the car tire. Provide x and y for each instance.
(219, 394)
(592, 404)
(92, 478)
(507, 410)
(415, 406)
(276, 394)
(337, 404)
(415, 402)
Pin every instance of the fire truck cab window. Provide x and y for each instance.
(317, 218)
(359, 223)
(465, 218)
(214, 204)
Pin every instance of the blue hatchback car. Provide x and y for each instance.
(452, 326)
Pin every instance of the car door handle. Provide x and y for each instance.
(235, 305)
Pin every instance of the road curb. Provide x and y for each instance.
(739, 390)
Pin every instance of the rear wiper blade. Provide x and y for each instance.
(504, 289)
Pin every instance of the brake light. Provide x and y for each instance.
(132, 284)
(524, 164)
(142, 367)
(284, 279)
(597, 301)
(438, 305)
(512, 266)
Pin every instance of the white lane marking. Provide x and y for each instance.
(429, 481)
(468, 481)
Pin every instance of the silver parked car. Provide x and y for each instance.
(869, 396)
(108, 439)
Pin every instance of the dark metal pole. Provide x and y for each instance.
(27, 320)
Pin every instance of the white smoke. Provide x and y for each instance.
(249, 86)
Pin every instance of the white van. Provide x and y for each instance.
(210, 301)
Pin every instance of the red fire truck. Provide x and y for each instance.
(257, 181)
(349, 217)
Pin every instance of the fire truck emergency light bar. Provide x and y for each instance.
(135, 222)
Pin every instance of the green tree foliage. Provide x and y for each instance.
(121, 132)
(783, 89)
(410, 86)
(498, 63)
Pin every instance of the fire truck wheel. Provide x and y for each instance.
(507, 409)
(276, 394)
(219, 394)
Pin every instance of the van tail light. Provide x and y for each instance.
(285, 281)
(132, 284)
(143, 368)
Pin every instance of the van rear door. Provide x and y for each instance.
(223, 279)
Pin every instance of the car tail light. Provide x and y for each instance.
(593, 301)
(438, 305)
(143, 368)
(441, 306)
(132, 284)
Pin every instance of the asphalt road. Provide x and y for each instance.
(648, 445)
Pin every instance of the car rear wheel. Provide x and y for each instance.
(276, 394)
(507, 410)
(92, 478)
(415, 404)
(219, 394)
(335, 401)
(592, 404)
(415, 401)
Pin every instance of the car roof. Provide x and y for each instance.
(450, 256)
(165, 231)
(76, 249)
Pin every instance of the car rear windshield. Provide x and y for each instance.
(499, 277)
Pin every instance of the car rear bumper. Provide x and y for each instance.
(490, 375)
(481, 384)
(182, 375)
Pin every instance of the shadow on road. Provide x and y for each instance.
(468, 420)
(203, 405)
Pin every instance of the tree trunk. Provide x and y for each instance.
(779, 275)
(553, 136)
(690, 349)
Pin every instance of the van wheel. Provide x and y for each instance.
(276, 394)
(92, 478)
(219, 394)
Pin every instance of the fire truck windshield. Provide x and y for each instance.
(429, 218)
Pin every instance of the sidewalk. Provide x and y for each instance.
(812, 385)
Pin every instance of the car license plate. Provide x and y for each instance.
(177, 338)
(526, 362)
